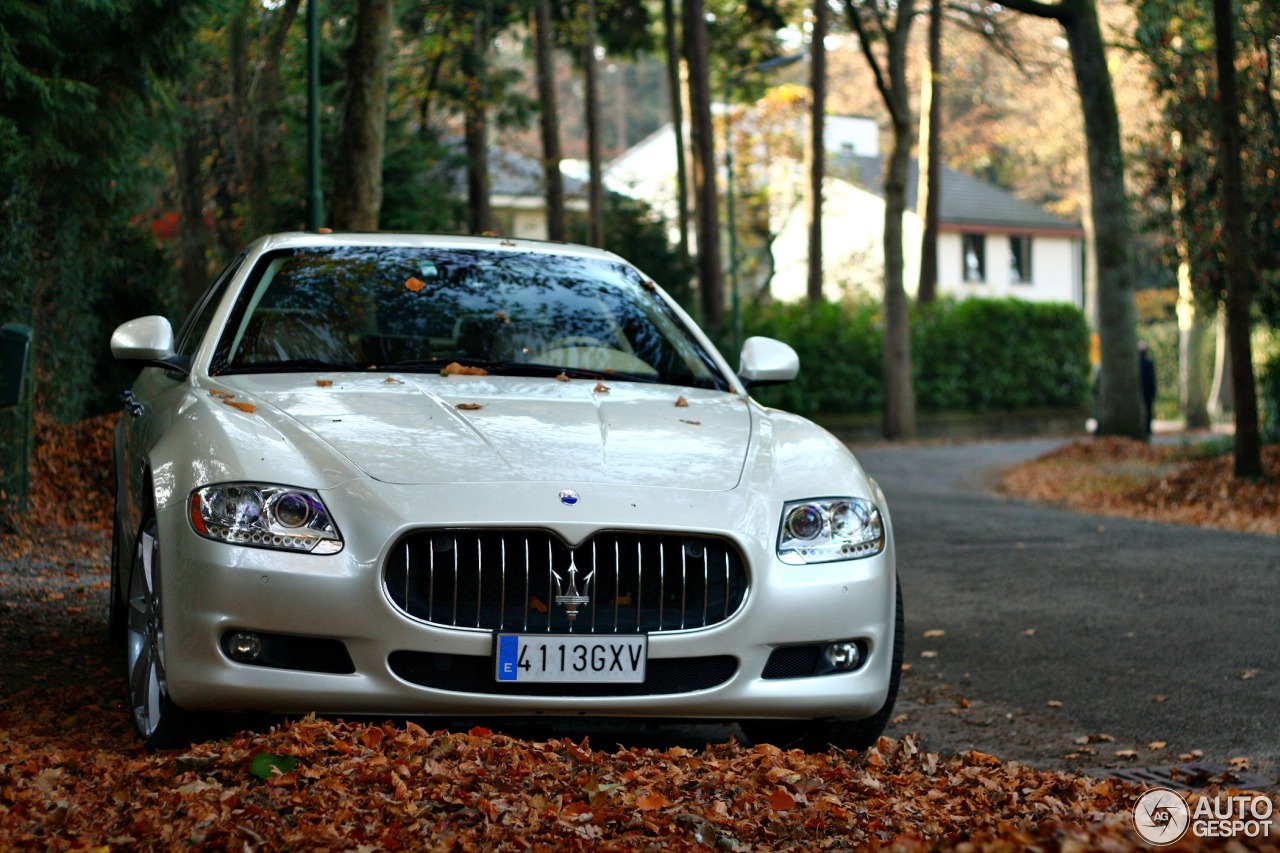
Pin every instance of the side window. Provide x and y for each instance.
(197, 321)
(1020, 259)
(974, 259)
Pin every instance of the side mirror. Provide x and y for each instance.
(765, 361)
(146, 339)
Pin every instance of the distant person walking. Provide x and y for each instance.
(1147, 376)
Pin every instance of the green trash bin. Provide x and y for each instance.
(15, 354)
(15, 417)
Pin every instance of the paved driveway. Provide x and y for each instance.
(1142, 632)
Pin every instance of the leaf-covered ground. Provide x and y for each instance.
(1189, 484)
(73, 777)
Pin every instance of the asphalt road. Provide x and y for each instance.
(1060, 626)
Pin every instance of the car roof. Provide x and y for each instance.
(305, 239)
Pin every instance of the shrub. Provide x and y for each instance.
(976, 355)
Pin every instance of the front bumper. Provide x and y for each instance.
(211, 588)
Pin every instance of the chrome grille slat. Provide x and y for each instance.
(629, 577)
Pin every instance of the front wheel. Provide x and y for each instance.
(159, 722)
(817, 735)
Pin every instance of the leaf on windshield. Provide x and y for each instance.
(562, 377)
(324, 383)
(601, 388)
(693, 423)
(469, 407)
(391, 380)
(682, 402)
(415, 284)
(455, 369)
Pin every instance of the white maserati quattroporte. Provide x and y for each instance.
(474, 477)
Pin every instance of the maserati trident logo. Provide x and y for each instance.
(568, 497)
(568, 595)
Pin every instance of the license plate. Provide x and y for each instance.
(552, 658)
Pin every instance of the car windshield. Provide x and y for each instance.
(507, 312)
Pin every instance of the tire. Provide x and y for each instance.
(817, 735)
(159, 722)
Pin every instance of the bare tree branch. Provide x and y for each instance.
(864, 44)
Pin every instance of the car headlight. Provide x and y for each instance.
(827, 529)
(265, 516)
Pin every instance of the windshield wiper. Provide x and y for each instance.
(289, 365)
(520, 368)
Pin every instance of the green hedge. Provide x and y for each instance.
(976, 355)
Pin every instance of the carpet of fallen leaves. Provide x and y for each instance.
(73, 776)
(1180, 484)
(71, 779)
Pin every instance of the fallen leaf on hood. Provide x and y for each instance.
(415, 284)
(469, 407)
(601, 388)
(324, 383)
(455, 369)
(682, 402)
(691, 423)
(391, 380)
(220, 394)
(562, 377)
(249, 408)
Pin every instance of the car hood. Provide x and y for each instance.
(411, 429)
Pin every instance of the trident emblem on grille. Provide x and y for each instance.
(571, 597)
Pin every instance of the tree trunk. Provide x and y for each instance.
(1119, 399)
(929, 196)
(476, 127)
(706, 209)
(357, 174)
(899, 391)
(1192, 329)
(677, 124)
(818, 147)
(595, 188)
(1248, 446)
(265, 97)
(553, 181)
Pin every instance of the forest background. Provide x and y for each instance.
(142, 143)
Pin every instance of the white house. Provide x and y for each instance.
(990, 243)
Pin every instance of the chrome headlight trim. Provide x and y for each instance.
(264, 515)
(823, 530)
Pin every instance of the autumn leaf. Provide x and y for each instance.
(468, 407)
(681, 402)
(453, 368)
(220, 394)
(324, 383)
(691, 423)
(934, 632)
(562, 377)
(651, 801)
(391, 380)
(242, 406)
(1157, 745)
(415, 284)
(601, 388)
(537, 605)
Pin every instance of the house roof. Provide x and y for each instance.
(510, 174)
(967, 203)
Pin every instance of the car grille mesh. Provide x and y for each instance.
(530, 581)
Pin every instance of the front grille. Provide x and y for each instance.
(475, 674)
(792, 662)
(529, 580)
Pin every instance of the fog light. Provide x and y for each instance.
(243, 646)
(843, 656)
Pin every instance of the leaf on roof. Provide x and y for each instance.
(455, 369)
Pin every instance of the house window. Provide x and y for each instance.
(1020, 260)
(975, 257)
